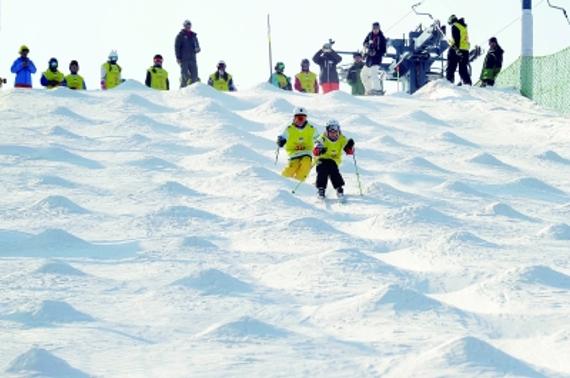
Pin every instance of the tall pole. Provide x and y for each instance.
(527, 69)
(269, 44)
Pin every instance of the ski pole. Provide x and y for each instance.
(276, 155)
(303, 180)
(357, 173)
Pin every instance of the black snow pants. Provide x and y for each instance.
(328, 168)
(454, 60)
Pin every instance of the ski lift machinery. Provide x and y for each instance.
(417, 59)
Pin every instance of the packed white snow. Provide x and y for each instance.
(150, 234)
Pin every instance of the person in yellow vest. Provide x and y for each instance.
(111, 72)
(298, 139)
(52, 77)
(458, 54)
(74, 80)
(156, 76)
(279, 79)
(328, 152)
(221, 80)
(306, 81)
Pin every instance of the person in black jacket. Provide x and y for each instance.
(375, 47)
(327, 59)
(186, 47)
(493, 63)
(458, 53)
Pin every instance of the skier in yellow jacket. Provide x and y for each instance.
(298, 140)
(328, 152)
(156, 76)
(111, 72)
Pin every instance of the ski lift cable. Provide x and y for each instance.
(512, 22)
(560, 9)
(404, 16)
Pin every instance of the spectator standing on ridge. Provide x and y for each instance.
(186, 46)
(221, 80)
(353, 77)
(279, 79)
(375, 48)
(52, 77)
(306, 81)
(493, 63)
(74, 80)
(111, 72)
(156, 76)
(23, 67)
(327, 59)
(458, 53)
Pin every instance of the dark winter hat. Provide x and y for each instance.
(452, 19)
(376, 25)
(305, 62)
(356, 55)
(187, 23)
(493, 40)
(53, 62)
(158, 57)
(73, 63)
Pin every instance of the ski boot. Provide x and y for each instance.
(340, 194)
(321, 193)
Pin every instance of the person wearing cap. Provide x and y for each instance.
(327, 59)
(52, 77)
(458, 53)
(156, 76)
(298, 139)
(74, 80)
(353, 76)
(493, 63)
(375, 48)
(306, 81)
(279, 79)
(111, 72)
(23, 67)
(186, 46)
(221, 80)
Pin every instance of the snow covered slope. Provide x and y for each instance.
(147, 234)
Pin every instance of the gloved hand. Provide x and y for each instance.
(281, 141)
(103, 85)
(319, 150)
(349, 147)
(25, 63)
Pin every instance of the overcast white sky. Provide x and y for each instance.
(235, 31)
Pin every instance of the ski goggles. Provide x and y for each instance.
(300, 117)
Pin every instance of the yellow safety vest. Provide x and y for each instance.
(300, 141)
(307, 80)
(50, 75)
(464, 37)
(74, 82)
(112, 75)
(334, 149)
(158, 78)
(219, 83)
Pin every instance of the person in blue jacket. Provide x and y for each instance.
(23, 67)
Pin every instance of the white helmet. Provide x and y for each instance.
(332, 125)
(300, 111)
(113, 55)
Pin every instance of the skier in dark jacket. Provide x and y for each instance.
(353, 76)
(375, 47)
(186, 47)
(458, 53)
(493, 63)
(327, 59)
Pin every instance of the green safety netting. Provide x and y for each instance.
(544, 79)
